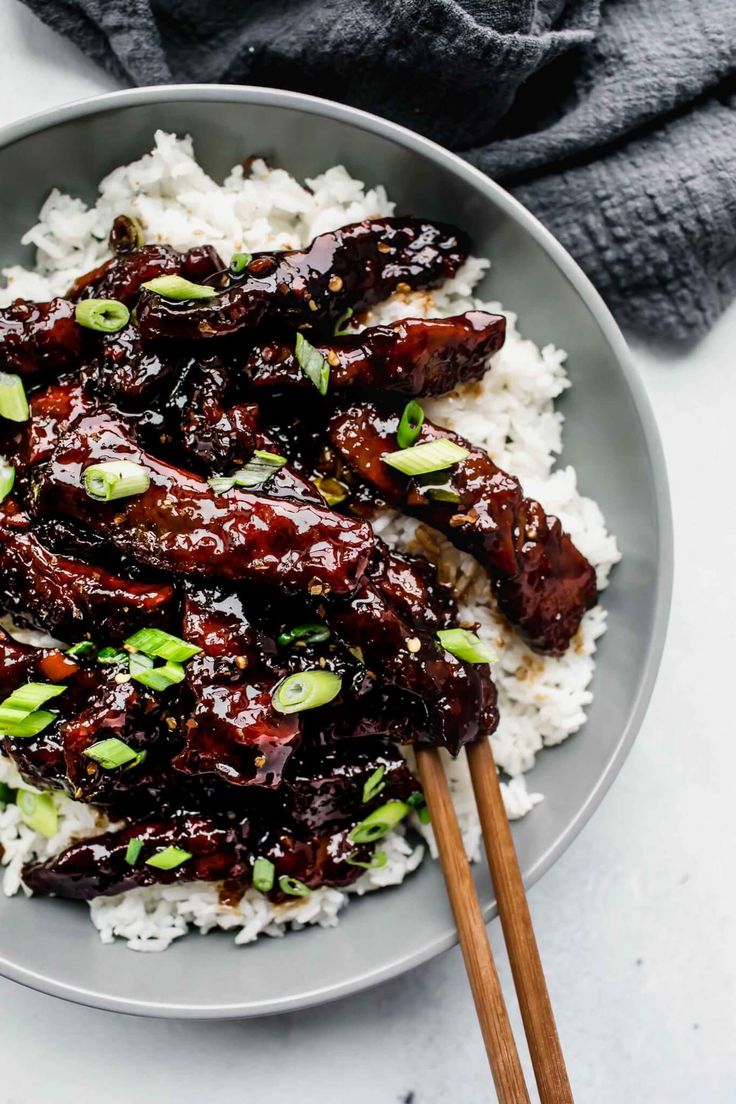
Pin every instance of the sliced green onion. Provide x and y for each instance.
(306, 690)
(430, 457)
(437, 488)
(260, 468)
(111, 655)
(160, 678)
(162, 645)
(374, 784)
(133, 851)
(178, 289)
(220, 484)
(104, 315)
(312, 363)
(139, 662)
(410, 425)
(115, 479)
(377, 860)
(313, 632)
(169, 858)
(29, 726)
(38, 812)
(6, 795)
(27, 699)
(83, 648)
(379, 822)
(112, 753)
(254, 474)
(339, 330)
(466, 645)
(13, 401)
(293, 887)
(418, 803)
(333, 491)
(239, 262)
(7, 478)
(264, 873)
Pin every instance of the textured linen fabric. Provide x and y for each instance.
(613, 120)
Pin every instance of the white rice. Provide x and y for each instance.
(511, 413)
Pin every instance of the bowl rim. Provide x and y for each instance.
(503, 200)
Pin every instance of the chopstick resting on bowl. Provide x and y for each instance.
(526, 966)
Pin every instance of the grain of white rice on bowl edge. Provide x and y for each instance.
(510, 413)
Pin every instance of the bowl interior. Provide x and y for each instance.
(609, 436)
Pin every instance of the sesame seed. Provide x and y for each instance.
(413, 644)
(336, 283)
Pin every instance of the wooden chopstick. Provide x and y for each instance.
(485, 986)
(526, 964)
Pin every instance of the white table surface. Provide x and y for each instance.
(636, 922)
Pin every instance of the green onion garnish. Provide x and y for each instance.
(113, 753)
(83, 648)
(105, 315)
(293, 887)
(239, 262)
(305, 690)
(29, 726)
(333, 491)
(133, 851)
(379, 822)
(38, 812)
(178, 289)
(374, 784)
(437, 488)
(111, 655)
(423, 814)
(139, 662)
(159, 678)
(430, 457)
(13, 401)
(410, 425)
(256, 472)
(378, 859)
(264, 873)
(6, 795)
(466, 645)
(115, 479)
(312, 363)
(313, 632)
(339, 330)
(7, 478)
(27, 699)
(162, 645)
(416, 799)
(169, 858)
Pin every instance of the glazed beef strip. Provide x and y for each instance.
(40, 338)
(128, 370)
(415, 356)
(352, 267)
(452, 700)
(543, 584)
(221, 851)
(122, 276)
(179, 524)
(98, 866)
(325, 785)
(69, 599)
(232, 730)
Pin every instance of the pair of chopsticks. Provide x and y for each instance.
(526, 965)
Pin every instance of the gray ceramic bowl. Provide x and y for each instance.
(610, 436)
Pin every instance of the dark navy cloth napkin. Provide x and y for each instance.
(613, 120)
